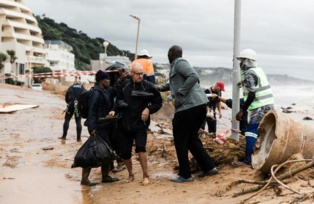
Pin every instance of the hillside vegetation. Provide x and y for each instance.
(84, 47)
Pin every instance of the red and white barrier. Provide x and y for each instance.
(56, 74)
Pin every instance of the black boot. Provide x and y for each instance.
(105, 168)
(85, 174)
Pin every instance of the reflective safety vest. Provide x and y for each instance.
(147, 65)
(263, 92)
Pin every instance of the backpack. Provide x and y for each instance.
(83, 103)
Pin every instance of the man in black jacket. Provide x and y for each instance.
(141, 99)
(100, 104)
(71, 98)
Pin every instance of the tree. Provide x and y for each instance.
(3, 58)
(13, 57)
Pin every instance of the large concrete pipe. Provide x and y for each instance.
(279, 138)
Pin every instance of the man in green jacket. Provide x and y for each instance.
(190, 111)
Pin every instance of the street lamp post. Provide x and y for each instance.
(105, 44)
(138, 31)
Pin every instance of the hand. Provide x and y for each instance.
(145, 114)
(239, 84)
(214, 95)
(125, 73)
(112, 113)
(239, 115)
(93, 132)
(173, 102)
(157, 87)
(220, 115)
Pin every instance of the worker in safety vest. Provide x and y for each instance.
(148, 68)
(258, 98)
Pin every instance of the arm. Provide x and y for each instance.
(93, 110)
(164, 88)
(249, 83)
(184, 69)
(155, 102)
(219, 109)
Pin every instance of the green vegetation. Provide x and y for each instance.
(84, 47)
(3, 58)
(40, 70)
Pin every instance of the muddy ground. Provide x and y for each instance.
(35, 166)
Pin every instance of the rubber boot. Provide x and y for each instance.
(85, 174)
(105, 168)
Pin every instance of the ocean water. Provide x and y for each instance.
(299, 100)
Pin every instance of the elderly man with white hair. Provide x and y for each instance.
(141, 99)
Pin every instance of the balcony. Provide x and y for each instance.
(24, 26)
(29, 37)
(35, 60)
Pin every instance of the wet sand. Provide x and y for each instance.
(35, 166)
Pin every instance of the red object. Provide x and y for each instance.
(220, 139)
(221, 85)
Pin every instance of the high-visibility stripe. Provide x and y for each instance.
(250, 134)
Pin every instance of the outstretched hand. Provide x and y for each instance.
(239, 115)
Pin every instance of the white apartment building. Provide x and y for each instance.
(20, 32)
(59, 56)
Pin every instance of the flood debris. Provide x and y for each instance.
(275, 182)
(307, 118)
(12, 107)
(47, 148)
(11, 161)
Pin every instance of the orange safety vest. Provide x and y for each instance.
(146, 64)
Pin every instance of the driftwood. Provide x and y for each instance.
(264, 184)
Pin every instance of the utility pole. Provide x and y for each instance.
(236, 69)
(138, 32)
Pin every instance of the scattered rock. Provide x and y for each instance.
(48, 148)
(307, 118)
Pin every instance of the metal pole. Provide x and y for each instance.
(137, 35)
(236, 68)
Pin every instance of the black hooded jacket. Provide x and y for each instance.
(131, 116)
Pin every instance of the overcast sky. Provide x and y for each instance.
(280, 31)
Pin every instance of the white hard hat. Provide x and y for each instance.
(248, 54)
(144, 53)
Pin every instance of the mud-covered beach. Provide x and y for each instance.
(35, 166)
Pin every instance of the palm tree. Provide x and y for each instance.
(13, 57)
(3, 58)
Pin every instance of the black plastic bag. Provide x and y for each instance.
(93, 153)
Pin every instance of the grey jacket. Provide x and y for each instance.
(184, 86)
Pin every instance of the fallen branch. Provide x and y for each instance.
(260, 188)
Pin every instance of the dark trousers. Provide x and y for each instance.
(105, 166)
(67, 118)
(113, 135)
(185, 132)
(212, 124)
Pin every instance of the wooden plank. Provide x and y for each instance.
(15, 107)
